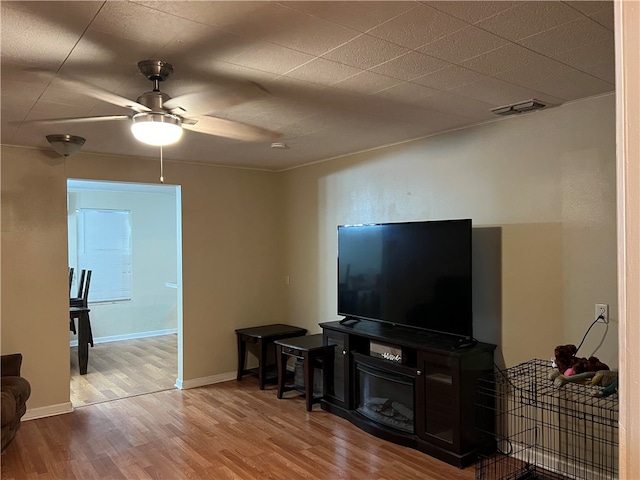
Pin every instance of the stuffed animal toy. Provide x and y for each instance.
(604, 378)
(568, 364)
(608, 390)
(591, 364)
(563, 357)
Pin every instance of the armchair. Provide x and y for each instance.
(15, 392)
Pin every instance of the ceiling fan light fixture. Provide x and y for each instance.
(65, 144)
(155, 128)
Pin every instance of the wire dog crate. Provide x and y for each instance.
(541, 432)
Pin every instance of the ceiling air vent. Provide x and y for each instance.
(521, 107)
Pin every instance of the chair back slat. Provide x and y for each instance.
(81, 283)
(82, 300)
(85, 293)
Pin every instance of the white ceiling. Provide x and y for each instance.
(344, 76)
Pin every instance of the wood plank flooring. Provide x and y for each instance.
(125, 368)
(230, 430)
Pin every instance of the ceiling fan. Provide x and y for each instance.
(159, 119)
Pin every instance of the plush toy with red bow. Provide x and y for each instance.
(568, 364)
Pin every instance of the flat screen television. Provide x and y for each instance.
(416, 274)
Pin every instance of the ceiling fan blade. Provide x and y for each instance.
(214, 99)
(230, 129)
(78, 119)
(81, 86)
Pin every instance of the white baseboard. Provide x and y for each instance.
(48, 411)
(202, 381)
(129, 336)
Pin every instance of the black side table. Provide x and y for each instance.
(312, 351)
(262, 336)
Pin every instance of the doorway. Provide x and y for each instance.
(129, 236)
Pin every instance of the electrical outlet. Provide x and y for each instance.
(602, 310)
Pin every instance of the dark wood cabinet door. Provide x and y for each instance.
(337, 387)
(437, 392)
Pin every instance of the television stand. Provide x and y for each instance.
(408, 386)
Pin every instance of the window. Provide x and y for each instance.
(104, 247)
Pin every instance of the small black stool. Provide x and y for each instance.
(313, 352)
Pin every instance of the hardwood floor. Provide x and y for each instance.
(125, 368)
(230, 430)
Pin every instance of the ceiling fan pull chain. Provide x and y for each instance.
(161, 166)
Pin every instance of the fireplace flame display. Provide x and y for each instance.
(388, 412)
(385, 396)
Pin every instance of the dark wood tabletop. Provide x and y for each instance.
(273, 330)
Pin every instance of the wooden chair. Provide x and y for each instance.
(82, 300)
(70, 279)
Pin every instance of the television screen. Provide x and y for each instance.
(416, 274)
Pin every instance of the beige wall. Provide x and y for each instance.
(34, 310)
(231, 277)
(542, 186)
